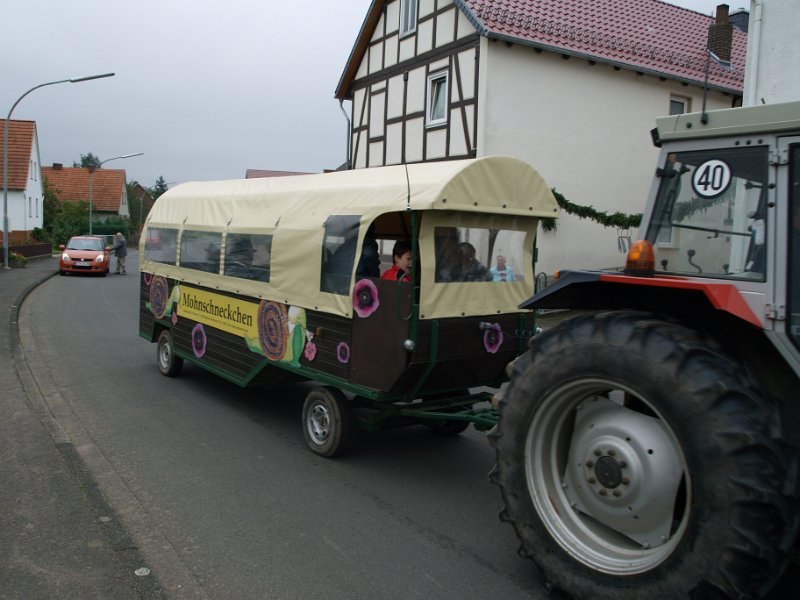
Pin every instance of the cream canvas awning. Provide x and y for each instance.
(294, 210)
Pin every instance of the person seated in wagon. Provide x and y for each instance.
(401, 269)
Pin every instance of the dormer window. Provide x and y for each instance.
(437, 99)
(408, 17)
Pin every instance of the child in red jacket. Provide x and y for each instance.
(401, 270)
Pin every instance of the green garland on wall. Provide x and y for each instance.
(618, 220)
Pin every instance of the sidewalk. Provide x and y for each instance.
(58, 536)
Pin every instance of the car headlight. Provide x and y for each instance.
(65, 257)
(100, 258)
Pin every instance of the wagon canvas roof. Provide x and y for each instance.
(493, 184)
(293, 210)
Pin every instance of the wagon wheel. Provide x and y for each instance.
(168, 363)
(328, 424)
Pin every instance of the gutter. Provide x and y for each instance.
(593, 58)
(752, 62)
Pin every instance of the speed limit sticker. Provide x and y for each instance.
(711, 178)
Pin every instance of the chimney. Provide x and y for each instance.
(720, 34)
(57, 166)
(740, 19)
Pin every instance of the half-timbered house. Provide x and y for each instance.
(572, 87)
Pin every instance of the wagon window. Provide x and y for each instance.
(248, 256)
(338, 253)
(470, 254)
(200, 250)
(161, 245)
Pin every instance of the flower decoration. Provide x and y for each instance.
(159, 296)
(147, 278)
(273, 329)
(199, 340)
(310, 351)
(365, 298)
(493, 338)
(175, 317)
(343, 352)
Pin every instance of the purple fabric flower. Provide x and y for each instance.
(343, 352)
(199, 340)
(365, 298)
(147, 277)
(493, 338)
(174, 317)
(310, 351)
(159, 295)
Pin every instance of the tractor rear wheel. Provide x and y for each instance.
(636, 460)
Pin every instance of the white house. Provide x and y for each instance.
(573, 88)
(772, 50)
(25, 190)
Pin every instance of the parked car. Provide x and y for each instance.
(84, 254)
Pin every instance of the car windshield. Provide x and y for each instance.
(85, 244)
(710, 214)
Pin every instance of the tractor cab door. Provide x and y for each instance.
(790, 148)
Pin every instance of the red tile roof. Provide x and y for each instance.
(645, 35)
(72, 184)
(20, 145)
(649, 36)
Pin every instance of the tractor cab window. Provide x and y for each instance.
(793, 255)
(710, 216)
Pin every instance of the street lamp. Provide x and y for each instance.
(5, 152)
(92, 169)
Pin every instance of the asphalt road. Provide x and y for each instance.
(223, 499)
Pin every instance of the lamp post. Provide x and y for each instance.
(5, 151)
(92, 169)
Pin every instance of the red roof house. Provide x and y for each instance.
(25, 193)
(108, 193)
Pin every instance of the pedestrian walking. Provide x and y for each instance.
(120, 251)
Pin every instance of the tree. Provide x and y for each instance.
(134, 206)
(51, 208)
(72, 219)
(159, 188)
(88, 160)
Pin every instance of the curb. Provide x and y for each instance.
(128, 529)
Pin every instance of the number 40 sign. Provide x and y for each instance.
(711, 178)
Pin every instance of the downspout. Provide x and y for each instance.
(752, 60)
(347, 144)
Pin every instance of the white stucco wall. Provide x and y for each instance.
(773, 45)
(586, 129)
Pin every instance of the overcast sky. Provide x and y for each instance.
(205, 89)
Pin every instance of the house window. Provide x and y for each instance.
(408, 17)
(678, 105)
(437, 98)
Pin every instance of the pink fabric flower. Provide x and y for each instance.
(493, 338)
(199, 340)
(365, 298)
(343, 352)
(310, 351)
